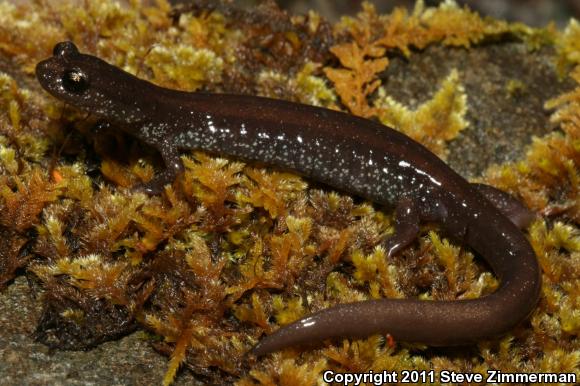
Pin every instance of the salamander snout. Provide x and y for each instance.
(46, 73)
(64, 74)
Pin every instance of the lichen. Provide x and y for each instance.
(232, 251)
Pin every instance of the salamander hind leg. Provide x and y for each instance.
(173, 167)
(507, 204)
(406, 226)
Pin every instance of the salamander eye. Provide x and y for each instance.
(75, 81)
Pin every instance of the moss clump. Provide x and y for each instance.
(434, 122)
(233, 251)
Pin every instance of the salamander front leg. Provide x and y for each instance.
(406, 226)
(173, 167)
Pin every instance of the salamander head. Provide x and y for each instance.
(91, 84)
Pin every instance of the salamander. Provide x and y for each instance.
(351, 154)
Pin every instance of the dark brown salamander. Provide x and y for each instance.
(352, 154)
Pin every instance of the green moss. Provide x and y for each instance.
(515, 87)
(184, 67)
(569, 47)
(434, 122)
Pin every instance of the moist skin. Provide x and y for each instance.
(349, 153)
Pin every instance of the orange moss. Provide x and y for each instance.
(287, 372)
(21, 207)
(359, 80)
(272, 191)
(374, 35)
